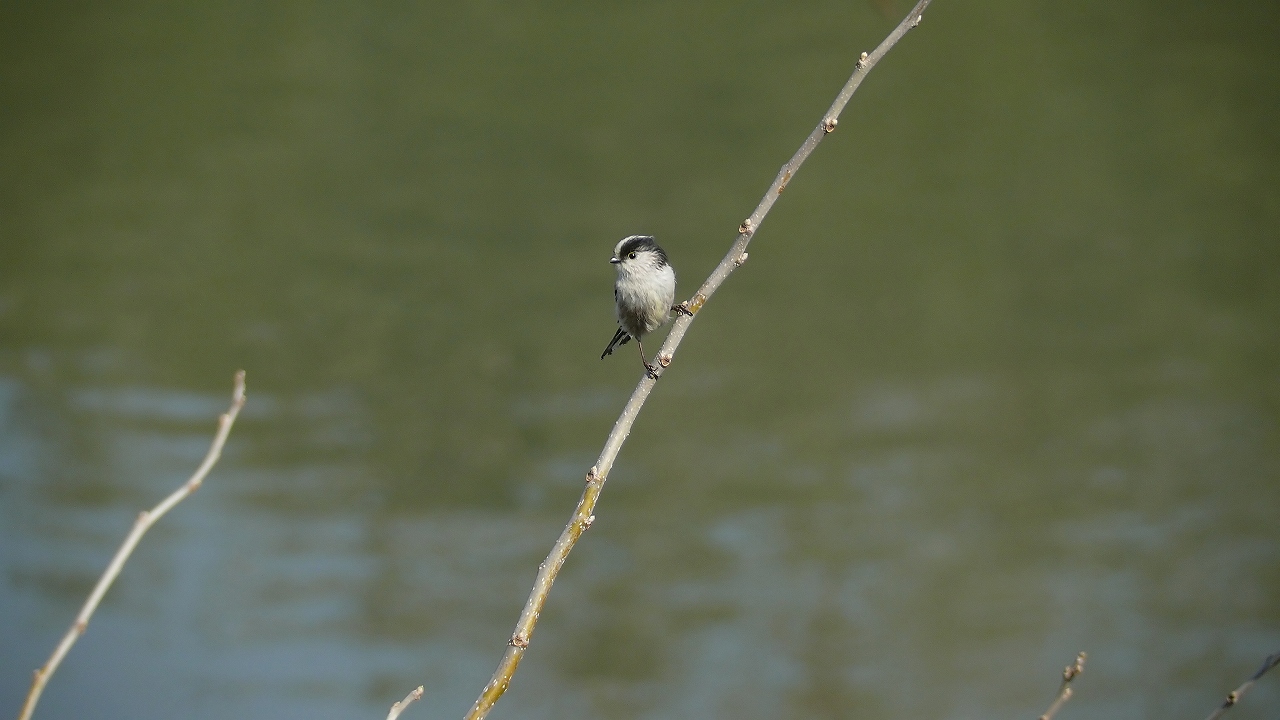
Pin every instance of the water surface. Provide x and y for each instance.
(999, 383)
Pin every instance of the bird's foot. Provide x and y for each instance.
(651, 370)
(682, 309)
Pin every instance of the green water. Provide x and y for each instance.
(1000, 381)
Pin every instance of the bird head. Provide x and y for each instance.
(637, 252)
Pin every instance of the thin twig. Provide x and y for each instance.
(400, 706)
(1234, 697)
(145, 520)
(582, 515)
(1069, 673)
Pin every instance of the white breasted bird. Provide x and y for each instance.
(645, 292)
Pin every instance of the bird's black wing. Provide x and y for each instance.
(619, 338)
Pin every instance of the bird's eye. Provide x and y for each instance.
(631, 256)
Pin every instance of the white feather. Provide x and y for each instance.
(644, 291)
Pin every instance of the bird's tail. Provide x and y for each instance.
(619, 338)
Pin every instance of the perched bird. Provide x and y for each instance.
(644, 292)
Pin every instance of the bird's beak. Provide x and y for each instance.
(614, 260)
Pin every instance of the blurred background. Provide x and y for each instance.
(999, 383)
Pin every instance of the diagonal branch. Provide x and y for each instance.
(1234, 697)
(1069, 673)
(582, 515)
(145, 520)
(415, 694)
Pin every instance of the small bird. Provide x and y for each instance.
(644, 292)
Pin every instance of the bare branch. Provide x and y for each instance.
(144, 522)
(1234, 697)
(400, 706)
(1069, 673)
(582, 515)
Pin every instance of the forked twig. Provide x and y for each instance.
(399, 707)
(1235, 695)
(1069, 673)
(145, 520)
(582, 515)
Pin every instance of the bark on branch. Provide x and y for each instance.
(145, 520)
(1235, 695)
(415, 694)
(583, 514)
(1069, 673)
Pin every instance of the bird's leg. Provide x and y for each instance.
(653, 371)
(682, 309)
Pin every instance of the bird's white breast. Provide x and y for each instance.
(644, 298)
